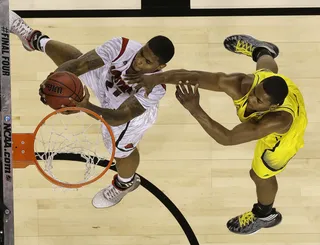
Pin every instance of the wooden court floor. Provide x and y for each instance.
(209, 183)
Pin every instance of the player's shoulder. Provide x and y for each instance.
(125, 46)
(280, 119)
(236, 85)
(122, 43)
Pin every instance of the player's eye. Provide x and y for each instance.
(148, 62)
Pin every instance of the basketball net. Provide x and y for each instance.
(67, 148)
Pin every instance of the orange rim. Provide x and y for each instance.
(67, 185)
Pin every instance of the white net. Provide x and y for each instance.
(69, 147)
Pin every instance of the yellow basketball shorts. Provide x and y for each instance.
(268, 162)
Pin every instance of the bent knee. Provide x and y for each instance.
(258, 179)
(253, 175)
(122, 156)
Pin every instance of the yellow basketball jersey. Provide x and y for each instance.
(292, 140)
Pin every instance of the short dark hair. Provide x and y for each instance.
(277, 88)
(162, 47)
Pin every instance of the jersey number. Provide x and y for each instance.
(121, 86)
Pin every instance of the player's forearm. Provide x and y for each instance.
(85, 63)
(206, 80)
(72, 66)
(113, 117)
(218, 132)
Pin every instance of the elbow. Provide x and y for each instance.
(72, 66)
(114, 123)
(81, 67)
(225, 140)
(182, 70)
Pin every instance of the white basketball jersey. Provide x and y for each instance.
(118, 54)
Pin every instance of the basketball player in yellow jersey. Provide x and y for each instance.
(270, 108)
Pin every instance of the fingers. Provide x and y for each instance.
(86, 90)
(138, 87)
(132, 78)
(42, 96)
(190, 90)
(148, 91)
(64, 112)
(40, 92)
(73, 101)
(196, 90)
(183, 88)
(178, 95)
(178, 89)
(50, 74)
(134, 81)
(68, 112)
(43, 100)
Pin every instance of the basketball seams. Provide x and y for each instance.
(73, 93)
(75, 87)
(62, 85)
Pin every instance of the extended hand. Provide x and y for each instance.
(187, 97)
(148, 82)
(42, 86)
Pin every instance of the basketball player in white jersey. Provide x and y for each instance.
(129, 112)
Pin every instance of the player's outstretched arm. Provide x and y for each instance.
(278, 122)
(83, 64)
(103, 54)
(221, 82)
(129, 109)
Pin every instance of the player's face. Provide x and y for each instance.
(258, 99)
(146, 61)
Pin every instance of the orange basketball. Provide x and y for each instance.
(60, 86)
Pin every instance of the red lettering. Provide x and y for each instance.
(121, 86)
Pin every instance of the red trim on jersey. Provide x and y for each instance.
(164, 86)
(123, 48)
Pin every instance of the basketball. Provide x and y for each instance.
(59, 87)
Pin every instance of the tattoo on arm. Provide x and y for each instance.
(87, 62)
(130, 109)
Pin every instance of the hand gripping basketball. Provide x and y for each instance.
(59, 87)
(41, 94)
